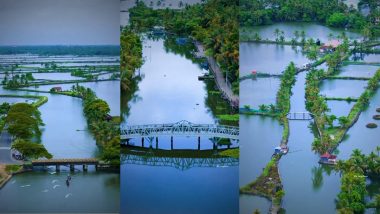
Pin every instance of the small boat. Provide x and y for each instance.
(328, 158)
(281, 150)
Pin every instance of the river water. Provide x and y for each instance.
(170, 92)
(312, 30)
(65, 135)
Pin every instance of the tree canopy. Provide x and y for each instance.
(31, 150)
(214, 24)
(23, 121)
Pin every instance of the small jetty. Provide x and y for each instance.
(328, 159)
(206, 77)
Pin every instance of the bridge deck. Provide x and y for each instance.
(75, 161)
(184, 128)
(299, 116)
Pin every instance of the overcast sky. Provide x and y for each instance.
(59, 22)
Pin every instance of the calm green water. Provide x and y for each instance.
(46, 192)
(312, 30)
(261, 91)
(358, 70)
(342, 88)
(268, 58)
(318, 184)
(106, 90)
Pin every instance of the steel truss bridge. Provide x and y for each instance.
(182, 128)
(179, 162)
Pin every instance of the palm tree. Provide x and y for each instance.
(263, 107)
(277, 33)
(272, 108)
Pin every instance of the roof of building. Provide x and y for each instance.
(332, 43)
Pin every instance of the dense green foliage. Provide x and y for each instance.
(23, 121)
(214, 24)
(283, 95)
(334, 13)
(78, 50)
(131, 57)
(12, 80)
(353, 187)
(31, 150)
(4, 108)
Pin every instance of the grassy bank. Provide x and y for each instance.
(40, 99)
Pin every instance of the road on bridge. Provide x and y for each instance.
(5, 149)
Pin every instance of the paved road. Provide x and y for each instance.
(220, 80)
(5, 149)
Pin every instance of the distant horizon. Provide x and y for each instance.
(59, 45)
(59, 22)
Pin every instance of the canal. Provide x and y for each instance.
(170, 92)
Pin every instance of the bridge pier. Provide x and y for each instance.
(57, 168)
(142, 142)
(128, 142)
(85, 167)
(199, 142)
(156, 142)
(171, 142)
(72, 168)
(96, 167)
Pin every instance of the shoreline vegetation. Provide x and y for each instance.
(332, 13)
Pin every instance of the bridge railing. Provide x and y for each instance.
(183, 127)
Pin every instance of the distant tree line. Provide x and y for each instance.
(334, 13)
(78, 50)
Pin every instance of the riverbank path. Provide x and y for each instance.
(5, 148)
(223, 86)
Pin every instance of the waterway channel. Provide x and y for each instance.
(170, 92)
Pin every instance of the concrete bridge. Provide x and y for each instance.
(64, 162)
(299, 116)
(182, 128)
